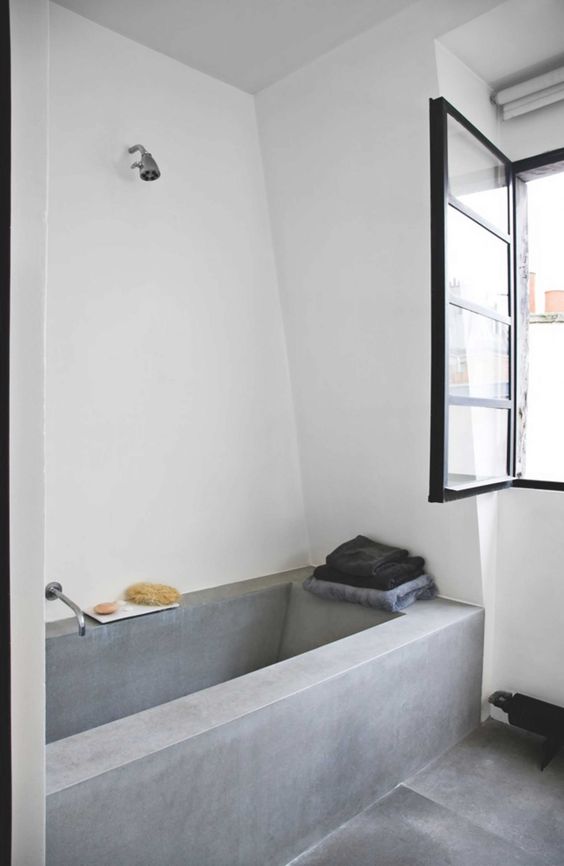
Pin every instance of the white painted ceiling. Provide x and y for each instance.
(514, 41)
(248, 43)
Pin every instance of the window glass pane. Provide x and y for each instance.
(542, 372)
(478, 355)
(477, 444)
(476, 263)
(476, 176)
(544, 451)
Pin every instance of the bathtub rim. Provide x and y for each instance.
(194, 598)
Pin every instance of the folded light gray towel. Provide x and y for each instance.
(392, 600)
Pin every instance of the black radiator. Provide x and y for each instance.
(535, 716)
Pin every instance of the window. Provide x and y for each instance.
(490, 397)
(539, 188)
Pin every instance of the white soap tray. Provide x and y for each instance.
(126, 610)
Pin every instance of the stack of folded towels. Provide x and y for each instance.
(373, 574)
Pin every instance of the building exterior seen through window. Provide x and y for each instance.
(543, 448)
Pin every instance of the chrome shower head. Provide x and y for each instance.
(148, 168)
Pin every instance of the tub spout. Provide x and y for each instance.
(54, 590)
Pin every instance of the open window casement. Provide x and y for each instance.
(480, 309)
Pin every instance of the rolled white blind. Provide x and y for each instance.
(529, 95)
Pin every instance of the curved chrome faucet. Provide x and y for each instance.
(54, 590)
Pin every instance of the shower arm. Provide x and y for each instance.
(134, 149)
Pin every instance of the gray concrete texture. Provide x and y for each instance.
(128, 666)
(256, 770)
(406, 829)
(121, 668)
(504, 791)
(484, 803)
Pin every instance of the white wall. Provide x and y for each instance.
(530, 587)
(530, 594)
(467, 91)
(171, 447)
(29, 23)
(471, 96)
(345, 144)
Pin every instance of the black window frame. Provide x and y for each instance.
(441, 198)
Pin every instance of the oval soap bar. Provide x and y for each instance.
(106, 607)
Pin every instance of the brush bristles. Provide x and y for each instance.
(152, 594)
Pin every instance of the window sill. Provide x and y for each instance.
(472, 488)
(538, 485)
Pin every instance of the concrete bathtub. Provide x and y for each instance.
(244, 726)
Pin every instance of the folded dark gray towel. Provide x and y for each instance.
(393, 600)
(388, 575)
(362, 557)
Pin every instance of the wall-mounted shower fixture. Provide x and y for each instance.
(148, 168)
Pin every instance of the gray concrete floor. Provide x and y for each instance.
(483, 803)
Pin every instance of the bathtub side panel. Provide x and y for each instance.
(266, 786)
